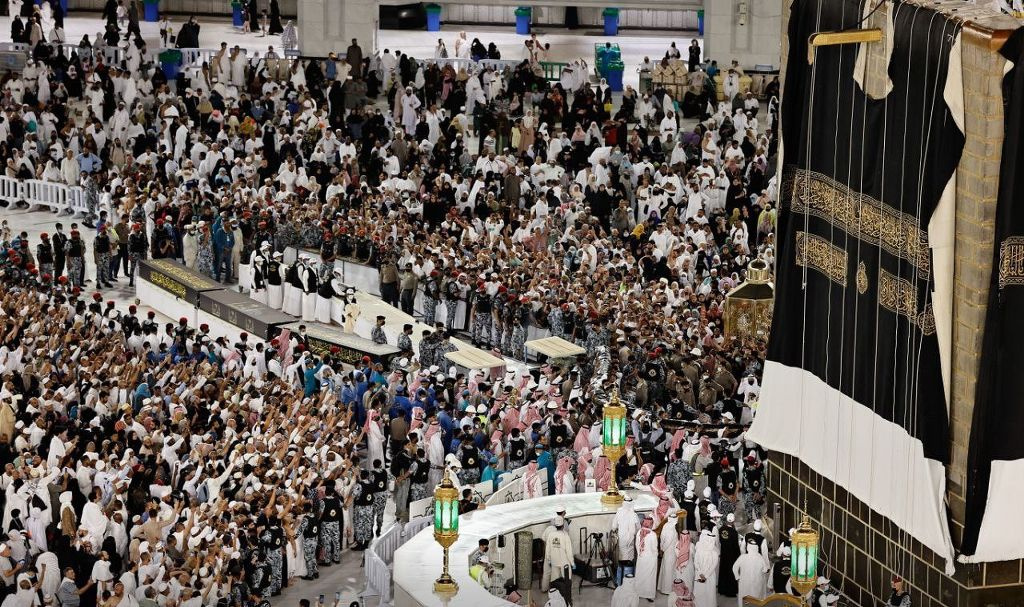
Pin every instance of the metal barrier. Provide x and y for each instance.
(10, 189)
(52, 195)
(381, 555)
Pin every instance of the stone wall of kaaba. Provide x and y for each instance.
(860, 552)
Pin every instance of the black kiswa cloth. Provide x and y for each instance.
(999, 395)
(861, 180)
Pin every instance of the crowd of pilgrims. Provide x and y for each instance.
(158, 464)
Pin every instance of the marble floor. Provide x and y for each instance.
(566, 45)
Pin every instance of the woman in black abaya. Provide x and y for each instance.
(275, 18)
(254, 16)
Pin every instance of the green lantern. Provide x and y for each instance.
(446, 528)
(803, 560)
(613, 444)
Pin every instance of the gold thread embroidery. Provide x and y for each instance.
(900, 296)
(926, 320)
(815, 252)
(897, 294)
(859, 215)
(862, 278)
(1011, 261)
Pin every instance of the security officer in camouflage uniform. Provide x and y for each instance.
(469, 457)
(309, 531)
(102, 249)
(74, 250)
(137, 247)
(44, 255)
(405, 339)
(419, 488)
(452, 294)
(498, 303)
(327, 256)
(332, 517)
(520, 321)
(446, 346)
(379, 476)
(482, 317)
(431, 295)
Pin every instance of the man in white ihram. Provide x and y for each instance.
(557, 552)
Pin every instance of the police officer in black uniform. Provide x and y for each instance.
(516, 449)
(470, 459)
(332, 519)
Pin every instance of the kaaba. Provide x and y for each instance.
(242, 311)
(351, 347)
(176, 279)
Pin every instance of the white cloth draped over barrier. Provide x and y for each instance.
(57, 197)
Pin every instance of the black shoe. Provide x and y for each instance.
(316, 576)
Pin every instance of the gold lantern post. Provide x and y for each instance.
(803, 564)
(748, 307)
(446, 529)
(613, 444)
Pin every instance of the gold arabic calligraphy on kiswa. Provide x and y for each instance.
(183, 275)
(900, 296)
(815, 252)
(859, 215)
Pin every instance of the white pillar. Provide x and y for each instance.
(327, 26)
(749, 31)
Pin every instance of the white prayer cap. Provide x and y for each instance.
(707, 492)
(822, 580)
(65, 497)
(730, 518)
(785, 551)
(688, 494)
(440, 377)
(757, 525)
(691, 485)
(471, 409)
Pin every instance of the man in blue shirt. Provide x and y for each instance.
(223, 243)
(310, 382)
(89, 162)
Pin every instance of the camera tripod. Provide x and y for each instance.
(596, 561)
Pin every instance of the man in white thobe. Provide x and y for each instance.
(410, 104)
(647, 560)
(705, 560)
(751, 572)
(625, 595)
(557, 552)
(625, 526)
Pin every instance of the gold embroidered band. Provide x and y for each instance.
(815, 252)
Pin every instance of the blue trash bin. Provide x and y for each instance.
(170, 64)
(614, 77)
(611, 21)
(433, 17)
(151, 11)
(523, 15)
(236, 14)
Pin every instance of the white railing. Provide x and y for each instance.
(381, 555)
(56, 197)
